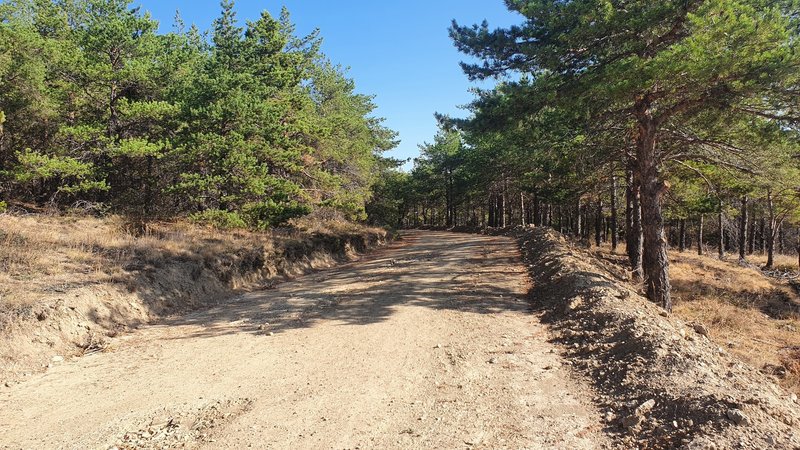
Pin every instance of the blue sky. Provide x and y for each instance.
(398, 51)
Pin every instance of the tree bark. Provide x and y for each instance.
(773, 226)
(654, 257)
(682, 235)
(721, 223)
(614, 216)
(578, 221)
(522, 206)
(633, 219)
(700, 225)
(743, 230)
(598, 224)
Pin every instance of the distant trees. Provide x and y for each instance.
(249, 127)
(693, 104)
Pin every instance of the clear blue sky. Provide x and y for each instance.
(396, 50)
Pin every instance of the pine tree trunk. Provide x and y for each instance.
(682, 235)
(762, 227)
(522, 210)
(743, 230)
(578, 221)
(700, 225)
(797, 247)
(491, 211)
(721, 223)
(654, 261)
(502, 212)
(633, 236)
(614, 216)
(771, 232)
(598, 224)
(751, 240)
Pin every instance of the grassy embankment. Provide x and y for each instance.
(67, 284)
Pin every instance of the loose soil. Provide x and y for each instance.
(431, 343)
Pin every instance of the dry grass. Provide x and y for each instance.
(42, 254)
(67, 283)
(756, 317)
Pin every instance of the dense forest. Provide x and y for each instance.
(240, 126)
(651, 124)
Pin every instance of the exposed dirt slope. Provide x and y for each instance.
(69, 284)
(429, 344)
(662, 383)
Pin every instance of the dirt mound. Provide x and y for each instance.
(662, 383)
(71, 284)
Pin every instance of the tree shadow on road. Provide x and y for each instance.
(456, 272)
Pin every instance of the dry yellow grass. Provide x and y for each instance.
(41, 254)
(756, 317)
(68, 283)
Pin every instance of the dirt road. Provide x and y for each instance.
(428, 344)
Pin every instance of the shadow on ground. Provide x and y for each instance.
(437, 270)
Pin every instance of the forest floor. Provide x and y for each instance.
(431, 343)
(755, 315)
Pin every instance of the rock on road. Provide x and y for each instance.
(430, 343)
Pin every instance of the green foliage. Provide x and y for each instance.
(217, 218)
(252, 128)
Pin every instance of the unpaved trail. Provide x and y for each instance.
(430, 343)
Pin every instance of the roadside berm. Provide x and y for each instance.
(660, 382)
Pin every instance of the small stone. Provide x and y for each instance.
(663, 314)
(631, 421)
(493, 361)
(736, 416)
(793, 398)
(437, 346)
(701, 330)
(271, 334)
(58, 358)
(645, 407)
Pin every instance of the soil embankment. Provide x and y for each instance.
(661, 383)
(69, 285)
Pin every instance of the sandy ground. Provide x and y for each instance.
(430, 343)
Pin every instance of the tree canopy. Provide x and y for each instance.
(244, 125)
